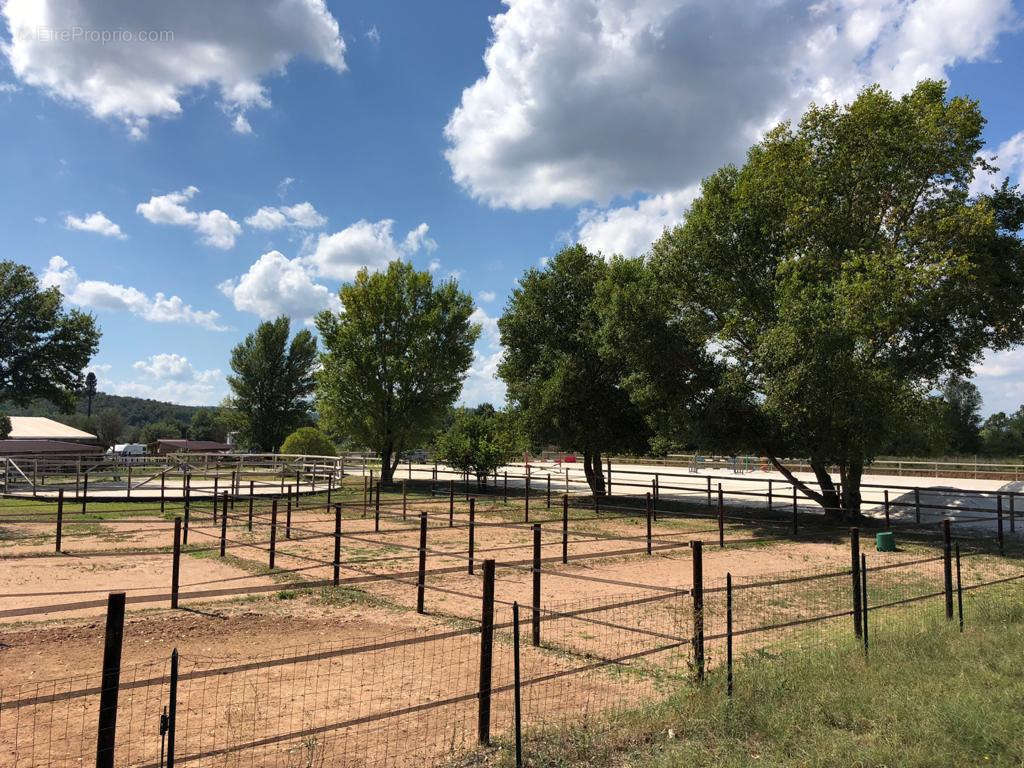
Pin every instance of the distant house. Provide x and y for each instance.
(40, 428)
(165, 446)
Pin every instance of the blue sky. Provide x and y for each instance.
(242, 159)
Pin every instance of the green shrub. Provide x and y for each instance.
(308, 441)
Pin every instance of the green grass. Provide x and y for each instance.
(927, 696)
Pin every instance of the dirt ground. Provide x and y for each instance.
(303, 676)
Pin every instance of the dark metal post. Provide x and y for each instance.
(330, 489)
(526, 496)
(565, 528)
(721, 518)
(947, 567)
(536, 584)
(549, 499)
(106, 731)
(728, 632)
(404, 498)
(337, 544)
(85, 489)
(517, 685)
(224, 525)
(163, 480)
(486, 651)
(698, 609)
(472, 532)
(796, 522)
(886, 503)
(376, 510)
(273, 532)
(648, 500)
(176, 562)
(999, 521)
(1013, 515)
(864, 597)
(421, 579)
(172, 708)
(855, 571)
(188, 512)
(504, 498)
(959, 589)
(216, 495)
(451, 504)
(288, 517)
(60, 517)
(917, 505)
(709, 490)
(250, 505)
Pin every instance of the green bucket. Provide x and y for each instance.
(885, 541)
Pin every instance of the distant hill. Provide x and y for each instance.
(134, 411)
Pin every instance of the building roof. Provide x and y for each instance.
(193, 446)
(40, 428)
(23, 447)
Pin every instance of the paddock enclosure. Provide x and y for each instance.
(290, 611)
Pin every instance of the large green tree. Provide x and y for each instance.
(395, 359)
(567, 393)
(844, 270)
(271, 383)
(44, 346)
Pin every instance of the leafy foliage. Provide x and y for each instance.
(308, 441)
(5, 426)
(844, 270)
(395, 359)
(478, 441)
(272, 383)
(45, 347)
(162, 430)
(568, 393)
(109, 427)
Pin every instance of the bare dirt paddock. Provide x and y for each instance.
(282, 668)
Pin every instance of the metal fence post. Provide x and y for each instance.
(451, 503)
(999, 521)
(549, 500)
(85, 489)
(648, 505)
(60, 518)
(405, 497)
(106, 732)
(224, 526)
(728, 632)
(565, 528)
(855, 571)
(176, 562)
(517, 685)
(288, 516)
(163, 480)
(698, 609)
(250, 505)
(172, 709)
(486, 651)
(864, 598)
(708, 478)
(947, 567)
(472, 532)
(917, 505)
(504, 495)
(422, 576)
(536, 584)
(721, 518)
(376, 510)
(526, 496)
(337, 544)
(887, 524)
(959, 589)
(273, 532)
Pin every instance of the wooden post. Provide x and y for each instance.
(536, 584)
(486, 655)
(273, 532)
(698, 609)
(224, 525)
(565, 528)
(60, 518)
(337, 544)
(421, 579)
(472, 532)
(855, 571)
(106, 730)
(176, 562)
(947, 567)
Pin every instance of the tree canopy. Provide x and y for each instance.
(478, 441)
(271, 383)
(567, 392)
(308, 441)
(45, 347)
(841, 273)
(394, 359)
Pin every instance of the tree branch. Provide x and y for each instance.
(804, 488)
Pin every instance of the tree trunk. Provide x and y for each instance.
(388, 462)
(592, 469)
(830, 500)
(481, 480)
(851, 477)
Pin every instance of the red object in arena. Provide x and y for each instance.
(569, 460)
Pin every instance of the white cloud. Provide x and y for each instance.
(276, 285)
(373, 35)
(40, 219)
(486, 296)
(592, 100)
(95, 222)
(171, 377)
(630, 230)
(99, 294)
(1008, 158)
(1000, 379)
(9, 88)
(299, 216)
(217, 228)
(284, 185)
(364, 244)
(164, 51)
(241, 124)
(434, 265)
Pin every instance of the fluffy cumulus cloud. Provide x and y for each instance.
(276, 285)
(1008, 159)
(298, 216)
(95, 222)
(593, 100)
(482, 384)
(1000, 379)
(368, 244)
(171, 377)
(631, 229)
(215, 227)
(99, 294)
(135, 61)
